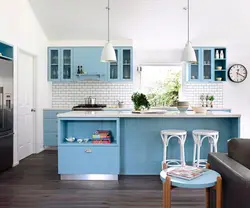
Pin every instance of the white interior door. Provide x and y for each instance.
(25, 100)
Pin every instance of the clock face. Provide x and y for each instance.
(237, 73)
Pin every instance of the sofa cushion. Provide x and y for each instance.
(239, 150)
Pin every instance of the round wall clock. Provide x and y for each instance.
(237, 73)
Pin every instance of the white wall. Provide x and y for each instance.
(20, 28)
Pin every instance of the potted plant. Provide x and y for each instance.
(211, 99)
(140, 101)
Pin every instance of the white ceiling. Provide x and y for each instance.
(87, 19)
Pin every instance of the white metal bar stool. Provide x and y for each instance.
(166, 135)
(199, 136)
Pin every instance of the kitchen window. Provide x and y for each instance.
(161, 84)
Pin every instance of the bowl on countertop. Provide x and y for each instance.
(182, 106)
(218, 78)
(199, 109)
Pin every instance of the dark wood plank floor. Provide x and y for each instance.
(35, 184)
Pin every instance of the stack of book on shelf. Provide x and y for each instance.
(101, 137)
(186, 172)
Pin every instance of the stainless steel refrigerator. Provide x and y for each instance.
(6, 114)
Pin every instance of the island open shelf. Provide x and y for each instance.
(85, 128)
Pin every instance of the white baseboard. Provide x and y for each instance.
(15, 163)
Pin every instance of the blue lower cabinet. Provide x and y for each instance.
(88, 160)
(50, 139)
(50, 127)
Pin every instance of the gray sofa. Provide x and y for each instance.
(234, 168)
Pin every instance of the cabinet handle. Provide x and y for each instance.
(56, 135)
(88, 151)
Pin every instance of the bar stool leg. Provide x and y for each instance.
(183, 150)
(198, 155)
(218, 192)
(194, 154)
(211, 147)
(165, 145)
(167, 195)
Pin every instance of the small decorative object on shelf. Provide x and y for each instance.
(211, 99)
(221, 54)
(78, 70)
(207, 100)
(140, 101)
(217, 55)
(101, 137)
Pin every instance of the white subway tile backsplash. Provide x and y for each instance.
(193, 91)
(69, 94)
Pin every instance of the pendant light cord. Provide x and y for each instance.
(188, 11)
(108, 8)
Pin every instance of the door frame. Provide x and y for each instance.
(21, 51)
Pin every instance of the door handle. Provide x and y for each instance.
(33, 110)
(88, 151)
(7, 135)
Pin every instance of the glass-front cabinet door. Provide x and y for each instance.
(67, 67)
(54, 64)
(114, 68)
(126, 65)
(207, 64)
(194, 69)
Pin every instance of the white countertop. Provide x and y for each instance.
(129, 114)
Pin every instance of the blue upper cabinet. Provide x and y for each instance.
(114, 67)
(88, 65)
(210, 66)
(54, 64)
(60, 64)
(122, 70)
(84, 63)
(194, 70)
(6, 51)
(67, 64)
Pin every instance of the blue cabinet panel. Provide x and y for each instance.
(209, 68)
(88, 160)
(87, 60)
(53, 113)
(50, 125)
(50, 139)
(54, 67)
(67, 64)
(127, 64)
(122, 70)
(6, 51)
(60, 64)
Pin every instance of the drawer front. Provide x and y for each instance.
(88, 160)
(50, 139)
(50, 125)
(53, 113)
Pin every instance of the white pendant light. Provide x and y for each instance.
(189, 55)
(108, 52)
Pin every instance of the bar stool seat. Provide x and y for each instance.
(166, 135)
(199, 135)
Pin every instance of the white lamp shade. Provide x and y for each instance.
(189, 55)
(108, 53)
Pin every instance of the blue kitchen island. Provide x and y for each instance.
(136, 147)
